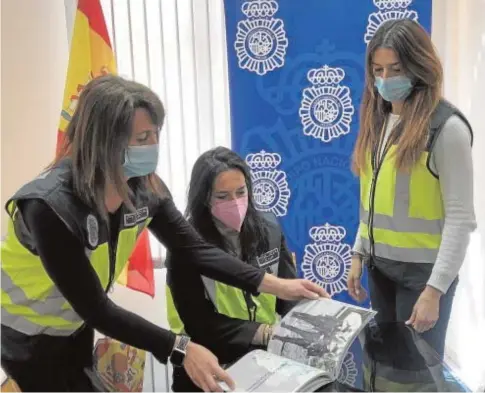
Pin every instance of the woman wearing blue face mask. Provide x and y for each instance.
(71, 232)
(413, 158)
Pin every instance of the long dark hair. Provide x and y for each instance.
(253, 236)
(99, 133)
(420, 62)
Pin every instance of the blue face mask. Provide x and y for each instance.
(393, 89)
(140, 160)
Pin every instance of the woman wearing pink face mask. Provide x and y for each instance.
(228, 321)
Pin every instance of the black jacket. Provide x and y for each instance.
(52, 222)
(228, 338)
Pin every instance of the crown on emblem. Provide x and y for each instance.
(385, 5)
(259, 8)
(263, 160)
(326, 75)
(327, 233)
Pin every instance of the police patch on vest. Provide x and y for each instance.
(93, 230)
(132, 219)
(268, 258)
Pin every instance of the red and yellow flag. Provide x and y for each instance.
(91, 56)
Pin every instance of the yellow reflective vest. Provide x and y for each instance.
(31, 303)
(402, 214)
(231, 301)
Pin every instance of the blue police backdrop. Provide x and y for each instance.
(296, 74)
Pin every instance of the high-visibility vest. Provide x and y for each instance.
(231, 301)
(402, 213)
(31, 303)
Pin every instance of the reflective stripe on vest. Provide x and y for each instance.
(230, 301)
(64, 319)
(227, 300)
(31, 303)
(408, 211)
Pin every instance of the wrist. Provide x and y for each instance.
(266, 333)
(258, 338)
(179, 350)
(432, 292)
(357, 258)
(356, 253)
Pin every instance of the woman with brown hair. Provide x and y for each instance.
(71, 232)
(413, 158)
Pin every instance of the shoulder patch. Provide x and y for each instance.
(268, 258)
(93, 230)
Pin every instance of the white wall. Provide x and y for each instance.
(34, 60)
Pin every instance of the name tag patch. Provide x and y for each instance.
(132, 219)
(268, 258)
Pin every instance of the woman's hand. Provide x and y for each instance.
(354, 285)
(204, 370)
(426, 311)
(291, 289)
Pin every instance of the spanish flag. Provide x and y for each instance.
(91, 56)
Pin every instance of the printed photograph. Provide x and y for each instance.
(318, 333)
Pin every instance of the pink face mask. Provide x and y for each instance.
(231, 213)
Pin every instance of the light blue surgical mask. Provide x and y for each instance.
(140, 160)
(396, 88)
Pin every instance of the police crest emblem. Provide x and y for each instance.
(327, 261)
(270, 186)
(326, 108)
(388, 10)
(261, 39)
